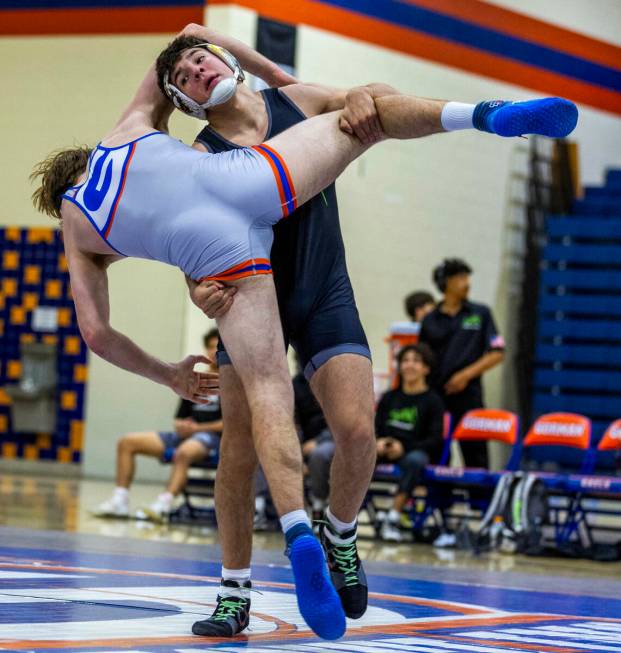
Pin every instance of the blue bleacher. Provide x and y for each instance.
(578, 354)
(609, 305)
(592, 227)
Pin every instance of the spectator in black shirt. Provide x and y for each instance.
(409, 425)
(418, 304)
(197, 430)
(466, 344)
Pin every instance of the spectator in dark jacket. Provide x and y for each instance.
(409, 426)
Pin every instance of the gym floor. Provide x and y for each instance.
(71, 582)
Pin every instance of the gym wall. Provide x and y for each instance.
(404, 206)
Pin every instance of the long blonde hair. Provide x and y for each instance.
(58, 172)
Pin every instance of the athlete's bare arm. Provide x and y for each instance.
(89, 287)
(149, 109)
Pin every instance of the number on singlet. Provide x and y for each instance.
(106, 176)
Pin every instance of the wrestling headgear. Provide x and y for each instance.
(224, 90)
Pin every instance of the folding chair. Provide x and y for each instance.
(563, 430)
(449, 485)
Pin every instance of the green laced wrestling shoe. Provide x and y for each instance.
(346, 569)
(231, 616)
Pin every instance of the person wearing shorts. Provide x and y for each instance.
(196, 437)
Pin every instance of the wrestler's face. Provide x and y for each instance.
(197, 72)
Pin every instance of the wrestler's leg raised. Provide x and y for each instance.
(316, 151)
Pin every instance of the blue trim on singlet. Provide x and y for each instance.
(324, 356)
(130, 152)
(283, 177)
(248, 268)
(118, 147)
(70, 199)
(99, 146)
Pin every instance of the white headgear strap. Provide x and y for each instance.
(223, 91)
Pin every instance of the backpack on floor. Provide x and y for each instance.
(493, 522)
(525, 516)
(516, 515)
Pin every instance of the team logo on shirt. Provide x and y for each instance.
(403, 418)
(471, 323)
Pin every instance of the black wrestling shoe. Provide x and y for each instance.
(231, 616)
(345, 568)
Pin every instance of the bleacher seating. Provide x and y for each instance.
(579, 336)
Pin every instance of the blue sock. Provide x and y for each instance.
(295, 531)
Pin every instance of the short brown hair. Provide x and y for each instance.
(170, 55)
(417, 300)
(58, 172)
(210, 335)
(423, 350)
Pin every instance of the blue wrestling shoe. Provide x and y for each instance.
(553, 117)
(318, 601)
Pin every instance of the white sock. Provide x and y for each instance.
(340, 527)
(121, 494)
(293, 518)
(457, 115)
(259, 504)
(394, 516)
(166, 498)
(318, 504)
(238, 575)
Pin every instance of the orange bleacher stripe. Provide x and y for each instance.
(527, 28)
(432, 48)
(111, 20)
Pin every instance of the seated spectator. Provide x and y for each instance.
(196, 436)
(317, 449)
(409, 426)
(418, 304)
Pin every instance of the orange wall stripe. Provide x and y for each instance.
(114, 20)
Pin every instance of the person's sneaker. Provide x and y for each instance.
(390, 532)
(553, 116)
(262, 523)
(445, 541)
(111, 508)
(346, 569)
(232, 613)
(158, 512)
(318, 602)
